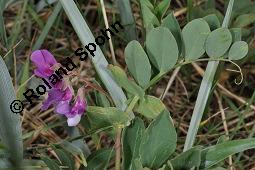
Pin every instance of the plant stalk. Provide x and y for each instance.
(118, 148)
(118, 134)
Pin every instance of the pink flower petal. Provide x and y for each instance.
(48, 57)
(43, 72)
(68, 94)
(44, 61)
(79, 107)
(42, 58)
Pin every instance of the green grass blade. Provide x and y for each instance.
(217, 153)
(99, 61)
(189, 10)
(127, 19)
(23, 79)
(17, 26)
(201, 102)
(3, 36)
(36, 46)
(10, 125)
(35, 16)
(47, 27)
(204, 90)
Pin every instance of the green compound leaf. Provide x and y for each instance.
(107, 116)
(238, 50)
(138, 63)
(131, 142)
(194, 37)
(159, 141)
(150, 107)
(218, 42)
(172, 24)
(162, 48)
(121, 78)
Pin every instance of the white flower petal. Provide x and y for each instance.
(73, 121)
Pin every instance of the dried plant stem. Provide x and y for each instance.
(214, 115)
(23, 84)
(15, 70)
(170, 82)
(225, 125)
(118, 148)
(108, 34)
(11, 50)
(183, 10)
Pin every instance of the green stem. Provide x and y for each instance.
(132, 104)
(158, 77)
(118, 134)
(155, 79)
(204, 90)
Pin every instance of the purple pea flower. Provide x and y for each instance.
(56, 95)
(61, 95)
(74, 111)
(44, 61)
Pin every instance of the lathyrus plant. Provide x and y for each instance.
(167, 47)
